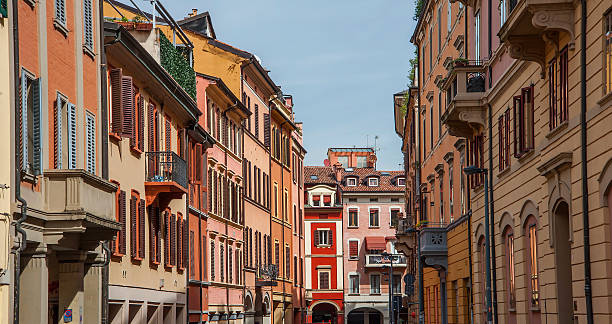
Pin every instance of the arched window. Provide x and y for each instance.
(508, 236)
(533, 282)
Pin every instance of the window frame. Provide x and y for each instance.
(351, 256)
(370, 210)
(375, 289)
(373, 182)
(354, 289)
(351, 182)
(353, 209)
(321, 272)
(523, 142)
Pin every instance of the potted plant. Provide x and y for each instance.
(141, 24)
(126, 23)
(461, 62)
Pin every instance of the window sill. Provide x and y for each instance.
(374, 226)
(353, 258)
(31, 3)
(526, 156)
(114, 137)
(324, 246)
(375, 294)
(60, 27)
(606, 99)
(352, 227)
(353, 294)
(557, 130)
(503, 172)
(28, 177)
(135, 150)
(89, 52)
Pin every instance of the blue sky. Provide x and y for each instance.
(341, 60)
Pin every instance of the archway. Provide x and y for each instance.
(365, 316)
(324, 313)
(249, 310)
(563, 260)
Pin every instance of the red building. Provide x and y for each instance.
(324, 268)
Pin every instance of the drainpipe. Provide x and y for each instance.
(471, 305)
(418, 192)
(583, 155)
(465, 32)
(283, 221)
(492, 209)
(24, 204)
(104, 149)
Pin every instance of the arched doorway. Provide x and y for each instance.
(324, 313)
(249, 310)
(563, 258)
(365, 316)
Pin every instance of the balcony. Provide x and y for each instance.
(78, 202)
(267, 275)
(379, 261)
(464, 87)
(165, 177)
(533, 24)
(433, 245)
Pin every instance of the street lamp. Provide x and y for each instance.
(473, 170)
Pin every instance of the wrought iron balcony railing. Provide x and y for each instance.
(166, 167)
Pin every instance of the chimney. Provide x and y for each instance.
(371, 161)
(194, 12)
(338, 171)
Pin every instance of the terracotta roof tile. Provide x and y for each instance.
(325, 175)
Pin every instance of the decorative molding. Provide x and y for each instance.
(556, 163)
(555, 18)
(439, 168)
(528, 48)
(448, 157)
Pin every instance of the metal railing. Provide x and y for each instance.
(432, 238)
(379, 260)
(267, 271)
(166, 167)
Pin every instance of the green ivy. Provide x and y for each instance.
(418, 9)
(177, 65)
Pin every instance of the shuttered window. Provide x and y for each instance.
(91, 142)
(168, 134)
(88, 24)
(185, 252)
(523, 122)
(192, 255)
(353, 250)
(153, 226)
(134, 225)
(179, 241)
(173, 240)
(222, 262)
(324, 279)
(503, 124)
(267, 130)
(141, 228)
(212, 260)
(60, 12)
(122, 104)
(167, 238)
(230, 267)
(287, 262)
(138, 140)
(122, 220)
(72, 136)
(277, 254)
(31, 152)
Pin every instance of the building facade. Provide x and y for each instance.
(324, 269)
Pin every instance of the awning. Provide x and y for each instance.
(376, 243)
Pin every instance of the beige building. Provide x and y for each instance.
(537, 112)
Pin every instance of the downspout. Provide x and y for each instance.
(283, 221)
(492, 210)
(24, 204)
(465, 33)
(583, 154)
(104, 122)
(471, 296)
(418, 190)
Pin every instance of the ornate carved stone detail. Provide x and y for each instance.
(553, 18)
(528, 48)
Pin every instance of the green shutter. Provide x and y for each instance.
(37, 127)
(91, 143)
(72, 145)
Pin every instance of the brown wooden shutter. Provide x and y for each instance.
(167, 239)
(116, 76)
(267, 130)
(179, 241)
(151, 125)
(277, 254)
(152, 232)
(133, 224)
(168, 135)
(353, 248)
(185, 248)
(316, 238)
(198, 163)
(122, 220)
(226, 198)
(141, 123)
(158, 228)
(331, 237)
(127, 100)
(141, 230)
(173, 239)
(209, 190)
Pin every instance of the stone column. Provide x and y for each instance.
(93, 295)
(34, 288)
(71, 285)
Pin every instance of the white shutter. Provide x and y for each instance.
(58, 132)
(72, 139)
(91, 143)
(24, 121)
(88, 23)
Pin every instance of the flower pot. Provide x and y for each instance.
(126, 24)
(144, 26)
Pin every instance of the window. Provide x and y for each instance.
(441, 186)
(31, 124)
(394, 217)
(277, 254)
(344, 161)
(316, 200)
(374, 221)
(423, 133)
(439, 115)
(451, 193)
(221, 262)
(481, 277)
(502, 12)
(353, 217)
(323, 237)
(608, 52)
(401, 182)
(503, 126)
(287, 262)
(327, 200)
(91, 143)
(362, 162)
(276, 200)
(462, 182)
(60, 12)
(476, 158)
(230, 266)
(477, 36)
(295, 270)
(351, 182)
(323, 279)
(532, 265)
(65, 133)
(448, 16)
(558, 100)
(373, 182)
(354, 284)
(374, 284)
(353, 249)
(373, 199)
(430, 48)
(352, 199)
(212, 260)
(397, 284)
(523, 122)
(431, 126)
(88, 24)
(439, 30)
(510, 274)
